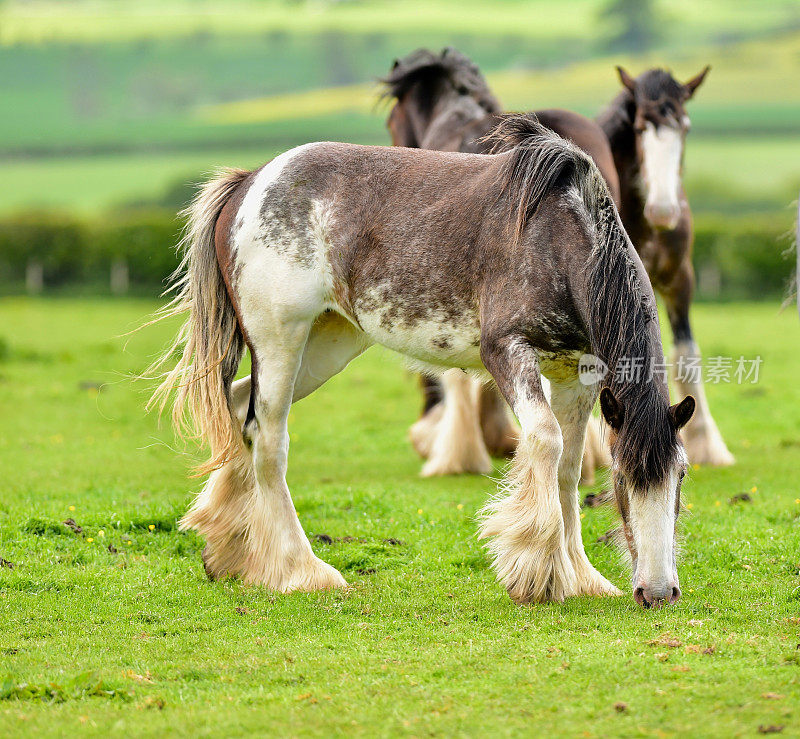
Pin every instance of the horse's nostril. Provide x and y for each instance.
(675, 595)
(640, 597)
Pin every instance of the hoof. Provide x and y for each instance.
(209, 572)
(708, 450)
(311, 575)
(477, 464)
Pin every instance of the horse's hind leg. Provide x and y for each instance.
(279, 555)
(703, 441)
(572, 405)
(222, 510)
(525, 523)
(457, 445)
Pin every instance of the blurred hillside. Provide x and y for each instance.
(114, 102)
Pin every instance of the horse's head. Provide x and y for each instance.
(430, 86)
(660, 123)
(649, 466)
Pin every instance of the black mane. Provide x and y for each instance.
(622, 317)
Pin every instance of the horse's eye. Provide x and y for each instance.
(462, 90)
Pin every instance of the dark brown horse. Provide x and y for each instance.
(332, 247)
(646, 125)
(443, 102)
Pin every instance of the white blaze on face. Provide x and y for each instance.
(652, 523)
(662, 148)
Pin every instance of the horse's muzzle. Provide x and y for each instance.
(648, 597)
(662, 215)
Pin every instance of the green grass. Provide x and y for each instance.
(425, 642)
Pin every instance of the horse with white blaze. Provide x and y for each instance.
(512, 265)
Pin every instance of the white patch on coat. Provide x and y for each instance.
(434, 340)
(662, 150)
(269, 284)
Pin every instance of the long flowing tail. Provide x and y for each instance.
(210, 342)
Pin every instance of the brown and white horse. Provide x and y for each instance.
(647, 125)
(443, 102)
(332, 247)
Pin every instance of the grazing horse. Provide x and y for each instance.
(443, 102)
(647, 126)
(332, 247)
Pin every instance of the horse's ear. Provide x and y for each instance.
(626, 80)
(695, 82)
(682, 412)
(613, 411)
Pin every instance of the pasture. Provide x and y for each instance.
(424, 641)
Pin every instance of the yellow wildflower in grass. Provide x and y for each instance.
(72, 507)
(419, 511)
(89, 539)
(797, 500)
(128, 542)
(101, 533)
(690, 506)
(717, 503)
(695, 466)
(754, 489)
(152, 527)
(460, 506)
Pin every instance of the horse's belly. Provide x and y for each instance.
(433, 339)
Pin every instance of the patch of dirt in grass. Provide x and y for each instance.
(6, 563)
(609, 537)
(595, 500)
(72, 526)
(740, 498)
(665, 640)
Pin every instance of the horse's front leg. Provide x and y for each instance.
(701, 437)
(524, 524)
(572, 405)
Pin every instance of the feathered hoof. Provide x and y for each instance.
(207, 566)
(541, 579)
(423, 433)
(311, 575)
(591, 582)
(473, 464)
(707, 449)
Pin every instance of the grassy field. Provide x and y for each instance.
(425, 641)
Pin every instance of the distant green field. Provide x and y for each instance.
(762, 171)
(685, 22)
(112, 102)
(425, 642)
